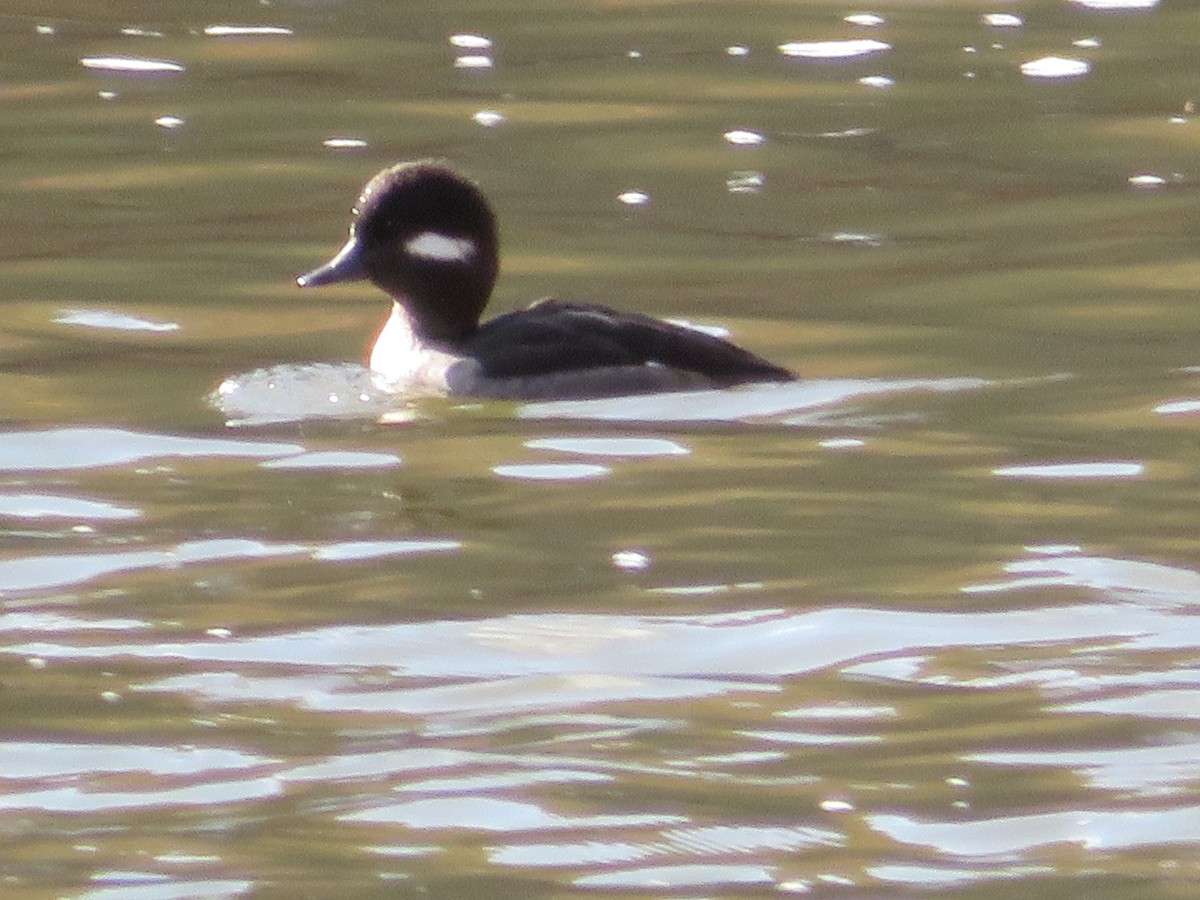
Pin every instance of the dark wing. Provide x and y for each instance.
(557, 336)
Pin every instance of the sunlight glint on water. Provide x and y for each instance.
(922, 621)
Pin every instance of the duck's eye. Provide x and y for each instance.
(434, 245)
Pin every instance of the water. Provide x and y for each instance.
(921, 623)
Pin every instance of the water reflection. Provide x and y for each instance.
(567, 689)
(343, 391)
(29, 574)
(551, 471)
(246, 30)
(801, 403)
(141, 885)
(55, 506)
(610, 446)
(133, 65)
(843, 49)
(576, 651)
(1055, 67)
(891, 629)
(1022, 836)
(1074, 470)
(1119, 579)
(1132, 771)
(86, 448)
(97, 318)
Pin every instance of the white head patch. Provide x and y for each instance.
(440, 247)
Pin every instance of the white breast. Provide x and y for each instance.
(402, 362)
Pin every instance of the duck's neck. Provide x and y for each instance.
(396, 352)
(404, 359)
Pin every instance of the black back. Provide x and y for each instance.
(558, 336)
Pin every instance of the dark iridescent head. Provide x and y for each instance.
(426, 235)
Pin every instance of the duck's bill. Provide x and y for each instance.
(346, 265)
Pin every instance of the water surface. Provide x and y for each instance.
(921, 623)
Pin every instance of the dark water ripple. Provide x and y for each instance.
(920, 624)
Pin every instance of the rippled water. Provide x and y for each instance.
(921, 623)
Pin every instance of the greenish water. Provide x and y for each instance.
(923, 623)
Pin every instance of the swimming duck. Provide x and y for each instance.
(426, 235)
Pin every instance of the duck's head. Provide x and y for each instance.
(426, 235)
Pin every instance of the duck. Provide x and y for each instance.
(425, 234)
